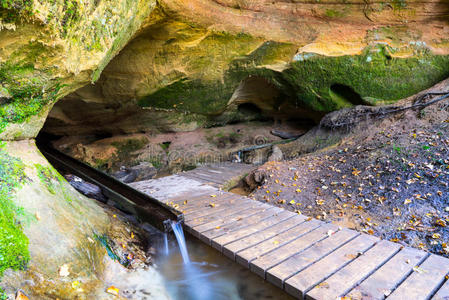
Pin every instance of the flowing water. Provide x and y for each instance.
(207, 274)
(167, 251)
(179, 234)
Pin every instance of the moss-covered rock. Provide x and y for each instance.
(14, 251)
(50, 48)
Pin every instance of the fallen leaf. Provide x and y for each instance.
(319, 202)
(213, 196)
(211, 204)
(419, 270)
(407, 201)
(436, 236)
(112, 290)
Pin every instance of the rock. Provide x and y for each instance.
(87, 189)
(276, 154)
(254, 179)
(125, 175)
(144, 171)
(285, 135)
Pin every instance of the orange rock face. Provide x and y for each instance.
(326, 27)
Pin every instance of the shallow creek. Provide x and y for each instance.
(209, 275)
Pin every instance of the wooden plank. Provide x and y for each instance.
(204, 177)
(212, 207)
(187, 205)
(443, 292)
(278, 274)
(237, 215)
(348, 277)
(246, 256)
(200, 224)
(211, 203)
(305, 280)
(171, 186)
(422, 284)
(389, 276)
(205, 181)
(240, 224)
(269, 260)
(232, 248)
(194, 199)
(218, 242)
(211, 215)
(209, 207)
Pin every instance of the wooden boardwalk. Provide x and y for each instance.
(309, 259)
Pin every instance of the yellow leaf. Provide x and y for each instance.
(292, 202)
(185, 202)
(407, 201)
(298, 190)
(213, 196)
(112, 290)
(275, 242)
(217, 227)
(436, 236)
(356, 172)
(211, 204)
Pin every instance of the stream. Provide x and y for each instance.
(204, 273)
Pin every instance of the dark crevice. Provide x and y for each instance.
(347, 93)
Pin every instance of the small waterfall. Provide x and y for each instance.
(166, 244)
(179, 234)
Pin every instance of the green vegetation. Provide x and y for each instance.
(126, 147)
(3, 295)
(14, 253)
(26, 88)
(49, 176)
(318, 83)
(13, 10)
(46, 177)
(375, 75)
(332, 13)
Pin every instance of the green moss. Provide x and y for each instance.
(3, 295)
(53, 181)
(130, 145)
(332, 13)
(195, 96)
(14, 10)
(46, 177)
(28, 88)
(14, 253)
(375, 76)
(156, 162)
